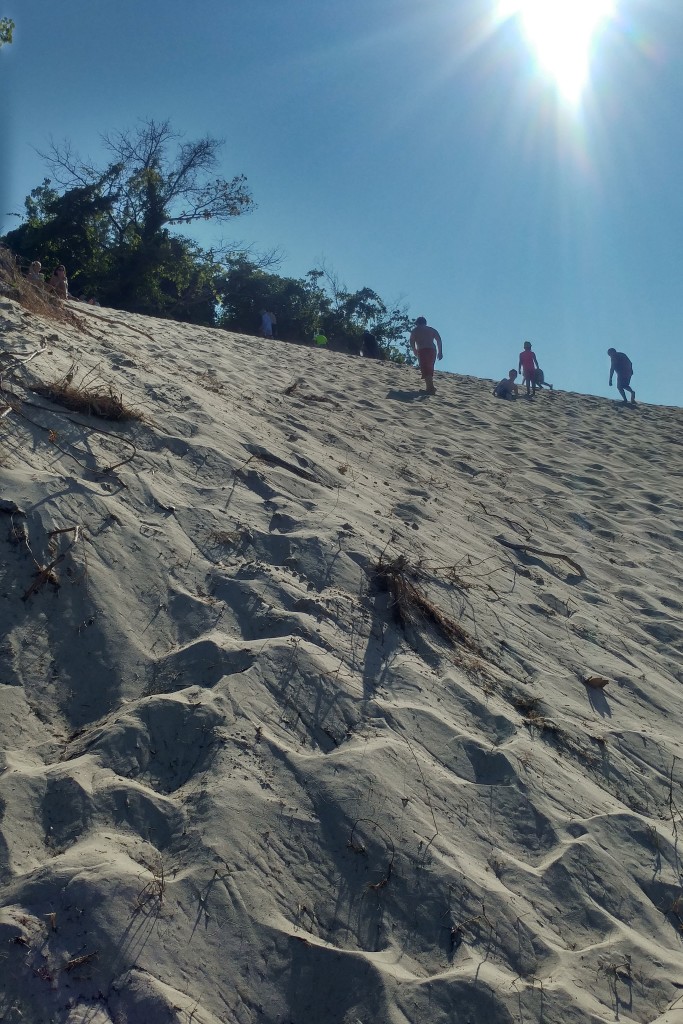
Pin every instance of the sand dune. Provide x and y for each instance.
(296, 725)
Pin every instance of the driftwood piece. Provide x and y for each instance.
(44, 575)
(530, 549)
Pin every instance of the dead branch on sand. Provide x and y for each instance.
(80, 961)
(154, 890)
(428, 797)
(411, 605)
(359, 847)
(45, 573)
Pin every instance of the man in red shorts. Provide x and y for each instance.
(426, 344)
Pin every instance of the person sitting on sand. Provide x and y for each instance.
(59, 283)
(425, 342)
(623, 367)
(540, 381)
(35, 275)
(528, 364)
(507, 387)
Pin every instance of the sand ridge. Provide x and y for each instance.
(235, 788)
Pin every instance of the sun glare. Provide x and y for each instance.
(561, 33)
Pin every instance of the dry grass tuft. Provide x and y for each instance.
(412, 606)
(40, 301)
(91, 396)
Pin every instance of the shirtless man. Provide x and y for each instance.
(426, 344)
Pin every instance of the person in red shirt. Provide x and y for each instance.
(528, 364)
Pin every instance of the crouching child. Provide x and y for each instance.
(507, 387)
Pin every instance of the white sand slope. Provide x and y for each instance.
(236, 787)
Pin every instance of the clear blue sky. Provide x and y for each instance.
(422, 148)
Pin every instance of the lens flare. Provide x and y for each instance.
(561, 34)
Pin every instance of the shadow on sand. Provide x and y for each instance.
(406, 396)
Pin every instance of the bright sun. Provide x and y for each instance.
(561, 33)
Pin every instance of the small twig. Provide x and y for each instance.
(503, 519)
(429, 801)
(359, 848)
(79, 961)
(154, 889)
(673, 810)
(457, 931)
(30, 356)
(43, 576)
(67, 529)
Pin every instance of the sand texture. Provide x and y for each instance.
(323, 702)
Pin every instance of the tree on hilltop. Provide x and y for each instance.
(306, 305)
(150, 188)
(110, 224)
(6, 30)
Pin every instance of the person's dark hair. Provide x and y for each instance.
(611, 351)
(421, 321)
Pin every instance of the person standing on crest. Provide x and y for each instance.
(623, 367)
(528, 364)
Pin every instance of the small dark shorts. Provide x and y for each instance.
(623, 380)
